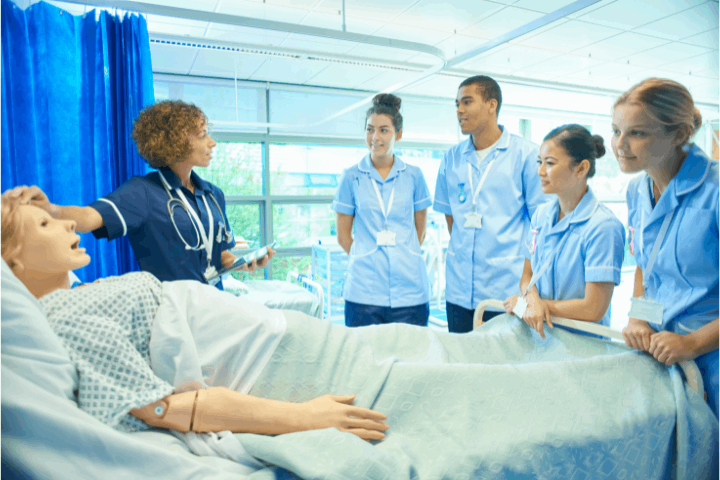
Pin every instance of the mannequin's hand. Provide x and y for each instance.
(335, 411)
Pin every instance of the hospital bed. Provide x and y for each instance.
(45, 434)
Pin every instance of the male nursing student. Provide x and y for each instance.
(488, 189)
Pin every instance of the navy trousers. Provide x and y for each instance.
(360, 315)
(460, 320)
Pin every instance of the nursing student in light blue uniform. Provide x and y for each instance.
(386, 200)
(673, 219)
(576, 245)
(488, 189)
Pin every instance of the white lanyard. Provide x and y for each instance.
(206, 244)
(536, 276)
(382, 205)
(656, 246)
(482, 179)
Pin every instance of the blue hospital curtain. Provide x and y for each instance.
(71, 87)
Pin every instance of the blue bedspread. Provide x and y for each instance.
(499, 403)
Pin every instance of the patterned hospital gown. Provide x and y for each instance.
(106, 329)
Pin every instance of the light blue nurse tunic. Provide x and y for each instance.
(685, 275)
(385, 276)
(488, 262)
(592, 247)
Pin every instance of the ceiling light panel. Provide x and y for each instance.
(446, 16)
(698, 19)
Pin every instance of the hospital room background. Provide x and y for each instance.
(286, 83)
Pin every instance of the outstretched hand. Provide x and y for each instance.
(637, 334)
(336, 411)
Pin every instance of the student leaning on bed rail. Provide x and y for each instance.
(673, 223)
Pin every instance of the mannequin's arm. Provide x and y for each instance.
(217, 409)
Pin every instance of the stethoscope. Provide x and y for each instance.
(223, 230)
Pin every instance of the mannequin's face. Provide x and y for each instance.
(48, 246)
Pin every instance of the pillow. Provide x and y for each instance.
(29, 346)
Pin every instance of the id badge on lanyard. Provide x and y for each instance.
(644, 308)
(473, 219)
(385, 238)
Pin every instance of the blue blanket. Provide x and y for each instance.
(499, 403)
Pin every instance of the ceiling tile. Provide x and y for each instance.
(342, 75)
(206, 5)
(381, 53)
(318, 44)
(171, 59)
(420, 35)
(385, 80)
(570, 36)
(210, 63)
(459, 44)
(708, 39)
(436, 86)
(665, 54)
(563, 65)
(445, 16)
(512, 58)
(543, 6)
(196, 29)
(706, 61)
(698, 19)
(620, 46)
(711, 73)
(245, 35)
(304, 4)
(605, 71)
(378, 10)
(263, 11)
(286, 70)
(533, 33)
(629, 14)
(502, 22)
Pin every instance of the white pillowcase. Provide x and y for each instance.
(29, 346)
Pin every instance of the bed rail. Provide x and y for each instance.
(295, 276)
(689, 367)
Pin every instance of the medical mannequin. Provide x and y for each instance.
(40, 250)
(386, 200)
(673, 222)
(576, 245)
(175, 221)
(488, 189)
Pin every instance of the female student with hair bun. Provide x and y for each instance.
(673, 222)
(576, 245)
(386, 201)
